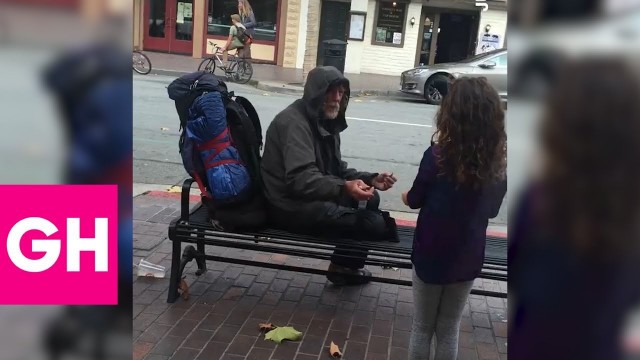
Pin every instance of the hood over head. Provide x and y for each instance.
(319, 81)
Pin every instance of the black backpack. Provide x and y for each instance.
(244, 126)
(242, 35)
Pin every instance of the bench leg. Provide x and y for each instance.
(200, 260)
(175, 272)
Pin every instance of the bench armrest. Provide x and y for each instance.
(184, 199)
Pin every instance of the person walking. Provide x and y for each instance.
(248, 19)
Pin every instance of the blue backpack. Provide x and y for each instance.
(220, 145)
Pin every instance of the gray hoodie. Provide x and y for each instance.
(302, 161)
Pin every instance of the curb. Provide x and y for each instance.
(177, 73)
(298, 90)
(285, 89)
(292, 90)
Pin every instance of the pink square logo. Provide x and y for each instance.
(60, 244)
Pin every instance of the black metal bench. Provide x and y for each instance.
(194, 226)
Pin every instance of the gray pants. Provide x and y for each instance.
(437, 309)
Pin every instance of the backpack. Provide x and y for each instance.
(243, 36)
(229, 156)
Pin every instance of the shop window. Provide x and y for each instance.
(389, 25)
(266, 13)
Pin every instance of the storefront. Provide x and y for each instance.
(382, 36)
(387, 37)
(267, 13)
(191, 27)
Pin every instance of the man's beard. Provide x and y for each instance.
(331, 112)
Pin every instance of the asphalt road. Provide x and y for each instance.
(383, 135)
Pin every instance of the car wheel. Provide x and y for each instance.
(431, 93)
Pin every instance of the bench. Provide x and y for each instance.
(194, 227)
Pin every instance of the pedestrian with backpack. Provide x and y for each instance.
(248, 19)
(237, 38)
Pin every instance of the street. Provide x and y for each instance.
(383, 135)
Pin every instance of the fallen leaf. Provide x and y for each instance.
(184, 288)
(283, 333)
(164, 129)
(335, 350)
(175, 189)
(267, 327)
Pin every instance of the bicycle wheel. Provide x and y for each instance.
(141, 63)
(208, 65)
(242, 71)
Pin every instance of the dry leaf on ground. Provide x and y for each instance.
(283, 333)
(266, 327)
(335, 350)
(184, 288)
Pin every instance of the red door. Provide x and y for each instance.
(169, 26)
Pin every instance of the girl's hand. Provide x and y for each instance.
(404, 198)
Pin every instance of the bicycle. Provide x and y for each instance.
(240, 70)
(141, 63)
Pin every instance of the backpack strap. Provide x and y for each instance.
(214, 143)
(203, 191)
(217, 145)
(222, 162)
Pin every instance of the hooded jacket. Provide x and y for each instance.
(302, 160)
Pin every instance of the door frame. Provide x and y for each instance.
(438, 11)
(319, 56)
(434, 37)
(150, 42)
(169, 43)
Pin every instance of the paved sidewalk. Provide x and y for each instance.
(220, 320)
(277, 79)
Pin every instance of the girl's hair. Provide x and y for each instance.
(591, 148)
(246, 8)
(470, 134)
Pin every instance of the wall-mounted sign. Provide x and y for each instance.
(357, 21)
(488, 42)
(180, 15)
(390, 22)
(188, 10)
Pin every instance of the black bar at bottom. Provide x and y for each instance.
(325, 272)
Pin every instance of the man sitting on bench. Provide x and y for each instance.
(308, 186)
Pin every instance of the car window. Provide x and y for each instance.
(501, 61)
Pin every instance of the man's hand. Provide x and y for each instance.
(384, 181)
(358, 190)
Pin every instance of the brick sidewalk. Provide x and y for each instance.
(220, 320)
